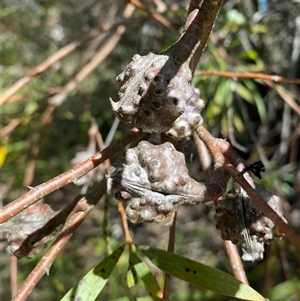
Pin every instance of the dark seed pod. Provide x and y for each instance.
(242, 222)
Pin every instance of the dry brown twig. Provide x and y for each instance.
(127, 235)
(267, 79)
(171, 248)
(262, 76)
(158, 17)
(235, 261)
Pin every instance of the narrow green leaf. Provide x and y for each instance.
(200, 275)
(223, 93)
(286, 290)
(244, 93)
(261, 108)
(90, 286)
(238, 122)
(145, 274)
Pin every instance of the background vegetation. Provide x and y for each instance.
(40, 140)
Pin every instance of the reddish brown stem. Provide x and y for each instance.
(267, 79)
(199, 24)
(13, 275)
(235, 261)
(171, 244)
(274, 78)
(208, 13)
(127, 235)
(65, 178)
(158, 17)
(10, 127)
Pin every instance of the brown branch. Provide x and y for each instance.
(219, 148)
(10, 127)
(198, 26)
(235, 261)
(284, 95)
(208, 13)
(127, 235)
(262, 76)
(204, 157)
(171, 242)
(77, 216)
(65, 178)
(13, 275)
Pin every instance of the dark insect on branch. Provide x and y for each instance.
(257, 168)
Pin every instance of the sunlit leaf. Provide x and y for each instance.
(238, 123)
(200, 275)
(31, 107)
(145, 274)
(3, 153)
(259, 28)
(223, 93)
(242, 91)
(251, 54)
(237, 17)
(3, 149)
(90, 286)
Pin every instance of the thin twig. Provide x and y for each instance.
(204, 157)
(158, 17)
(262, 76)
(10, 127)
(65, 178)
(267, 79)
(127, 235)
(171, 243)
(57, 56)
(13, 275)
(235, 261)
(285, 95)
